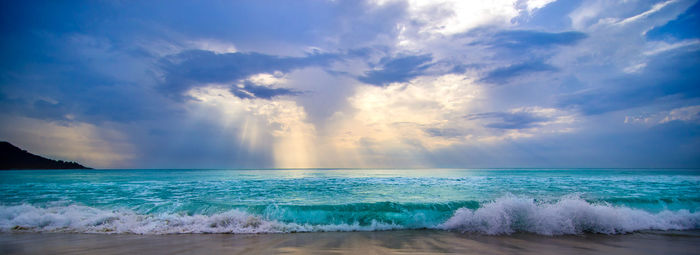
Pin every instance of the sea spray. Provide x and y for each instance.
(506, 215)
(570, 215)
(144, 201)
(82, 219)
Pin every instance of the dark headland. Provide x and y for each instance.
(12, 157)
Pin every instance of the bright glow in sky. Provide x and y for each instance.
(381, 83)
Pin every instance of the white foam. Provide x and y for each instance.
(83, 219)
(506, 215)
(570, 215)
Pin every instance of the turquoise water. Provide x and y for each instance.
(492, 201)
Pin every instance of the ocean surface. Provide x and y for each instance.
(487, 201)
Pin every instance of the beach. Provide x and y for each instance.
(380, 242)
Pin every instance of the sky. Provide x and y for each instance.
(379, 83)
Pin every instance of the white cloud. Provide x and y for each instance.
(686, 114)
(581, 17)
(639, 119)
(611, 48)
(213, 45)
(267, 79)
(388, 115)
(433, 20)
(635, 68)
(427, 113)
(655, 8)
(537, 4)
(595, 14)
(662, 46)
(690, 113)
(451, 17)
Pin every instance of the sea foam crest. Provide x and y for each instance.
(506, 215)
(570, 215)
(83, 219)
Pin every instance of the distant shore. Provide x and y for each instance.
(381, 242)
(14, 158)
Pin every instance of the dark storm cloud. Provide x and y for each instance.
(196, 67)
(250, 91)
(397, 69)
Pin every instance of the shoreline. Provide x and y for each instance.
(377, 242)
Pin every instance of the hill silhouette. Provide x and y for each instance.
(12, 157)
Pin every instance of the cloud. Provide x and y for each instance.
(523, 52)
(673, 144)
(509, 120)
(686, 26)
(523, 118)
(93, 146)
(504, 74)
(215, 46)
(355, 83)
(672, 73)
(449, 17)
(523, 40)
(681, 114)
(279, 127)
(553, 16)
(385, 125)
(446, 132)
(654, 9)
(689, 113)
(250, 91)
(198, 67)
(397, 69)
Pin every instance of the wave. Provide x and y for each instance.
(570, 215)
(506, 215)
(83, 219)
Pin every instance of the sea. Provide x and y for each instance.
(243, 201)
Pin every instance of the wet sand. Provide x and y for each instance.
(383, 242)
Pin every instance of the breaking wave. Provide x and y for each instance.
(570, 215)
(84, 219)
(506, 215)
